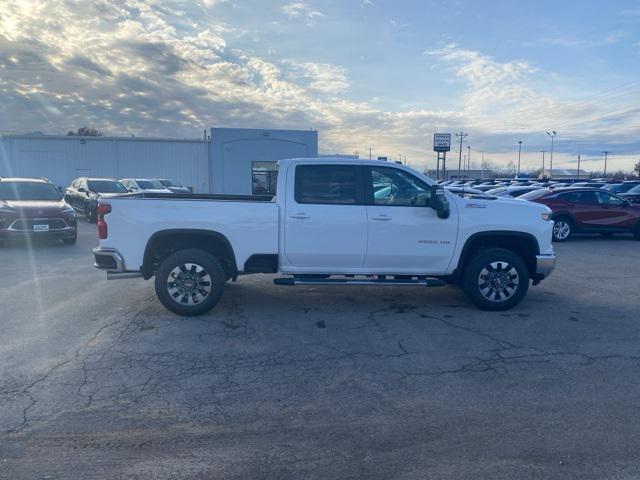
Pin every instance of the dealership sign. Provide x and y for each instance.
(441, 142)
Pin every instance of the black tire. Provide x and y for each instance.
(70, 241)
(562, 229)
(502, 265)
(175, 296)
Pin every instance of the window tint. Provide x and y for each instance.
(579, 197)
(607, 199)
(28, 191)
(149, 184)
(395, 187)
(327, 184)
(635, 189)
(106, 186)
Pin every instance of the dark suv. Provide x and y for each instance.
(588, 210)
(34, 207)
(83, 194)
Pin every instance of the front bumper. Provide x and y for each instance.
(545, 264)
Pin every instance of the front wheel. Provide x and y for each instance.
(562, 230)
(495, 279)
(190, 282)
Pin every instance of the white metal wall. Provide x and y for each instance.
(61, 158)
(233, 150)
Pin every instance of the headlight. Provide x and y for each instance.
(545, 216)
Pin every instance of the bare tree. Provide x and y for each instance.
(86, 132)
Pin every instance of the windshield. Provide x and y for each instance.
(149, 184)
(535, 194)
(169, 183)
(627, 187)
(106, 186)
(635, 189)
(28, 191)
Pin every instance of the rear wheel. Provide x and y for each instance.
(190, 282)
(495, 279)
(562, 229)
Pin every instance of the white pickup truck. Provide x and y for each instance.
(333, 222)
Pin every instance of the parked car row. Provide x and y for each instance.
(36, 208)
(83, 193)
(578, 207)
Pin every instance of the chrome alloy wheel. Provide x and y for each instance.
(498, 281)
(189, 284)
(561, 229)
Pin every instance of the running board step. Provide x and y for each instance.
(423, 282)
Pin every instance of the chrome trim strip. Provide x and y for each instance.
(10, 227)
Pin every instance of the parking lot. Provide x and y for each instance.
(100, 381)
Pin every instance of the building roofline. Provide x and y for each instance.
(104, 138)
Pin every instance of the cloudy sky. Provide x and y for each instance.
(383, 74)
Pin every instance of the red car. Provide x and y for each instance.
(588, 210)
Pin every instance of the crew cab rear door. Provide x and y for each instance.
(405, 233)
(325, 220)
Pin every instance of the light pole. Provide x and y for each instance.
(552, 134)
(468, 159)
(519, 154)
(606, 153)
(543, 152)
(578, 166)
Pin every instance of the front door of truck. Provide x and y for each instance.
(405, 233)
(325, 220)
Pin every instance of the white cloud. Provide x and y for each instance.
(301, 9)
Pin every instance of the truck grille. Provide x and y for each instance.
(23, 224)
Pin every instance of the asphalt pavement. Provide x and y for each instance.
(98, 380)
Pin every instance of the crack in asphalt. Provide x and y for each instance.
(139, 375)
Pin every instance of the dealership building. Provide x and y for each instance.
(232, 160)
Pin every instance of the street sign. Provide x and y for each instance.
(441, 142)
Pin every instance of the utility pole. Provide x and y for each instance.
(519, 154)
(482, 167)
(552, 134)
(606, 153)
(468, 159)
(543, 152)
(369, 153)
(462, 136)
(578, 166)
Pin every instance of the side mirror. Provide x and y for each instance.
(439, 201)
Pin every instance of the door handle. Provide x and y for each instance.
(299, 215)
(382, 218)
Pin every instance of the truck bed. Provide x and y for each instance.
(249, 222)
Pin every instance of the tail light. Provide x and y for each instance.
(103, 209)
